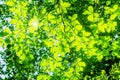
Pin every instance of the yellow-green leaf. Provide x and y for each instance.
(115, 7)
(10, 3)
(90, 8)
(113, 16)
(34, 22)
(74, 17)
(43, 11)
(86, 12)
(1, 41)
(78, 27)
(65, 4)
(99, 57)
(90, 17)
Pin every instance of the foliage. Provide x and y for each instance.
(60, 39)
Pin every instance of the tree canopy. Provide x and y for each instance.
(60, 39)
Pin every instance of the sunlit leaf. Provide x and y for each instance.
(87, 12)
(34, 22)
(113, 16)
(10, 3)
(74, 17)
(90, 8)
(65, 4)
(90, 17)
(78, 27)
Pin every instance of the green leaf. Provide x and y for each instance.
(90, 9)
(97, 1)
(1, 41)
(3, 34)
(78, 27)
(10, 3)
(76, 22)
(65, 4)
(74, 17)
(43, 11)
(7, 40)
(99, 57)
(115, 7)
(90, 17)
(86, 12)
(113, 16)
(108, 2)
